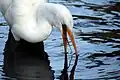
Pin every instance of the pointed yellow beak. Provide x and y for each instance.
(65, 31)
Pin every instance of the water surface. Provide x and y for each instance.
(97, 34)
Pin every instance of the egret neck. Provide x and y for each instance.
(34, 24)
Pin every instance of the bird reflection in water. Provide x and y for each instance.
(24, 63)
(27, 61)
(28, 69)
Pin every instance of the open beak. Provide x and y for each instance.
(65, 31)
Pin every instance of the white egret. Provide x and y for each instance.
(32, 20)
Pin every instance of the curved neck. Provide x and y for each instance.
(51, 13)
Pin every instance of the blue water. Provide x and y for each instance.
(97, 34)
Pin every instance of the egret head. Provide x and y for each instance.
(60, 17)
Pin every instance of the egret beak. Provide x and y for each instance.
(65, 31)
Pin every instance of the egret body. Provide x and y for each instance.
(33, 20)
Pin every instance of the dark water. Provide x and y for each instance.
(97, 34)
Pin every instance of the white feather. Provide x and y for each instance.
(32, 20)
